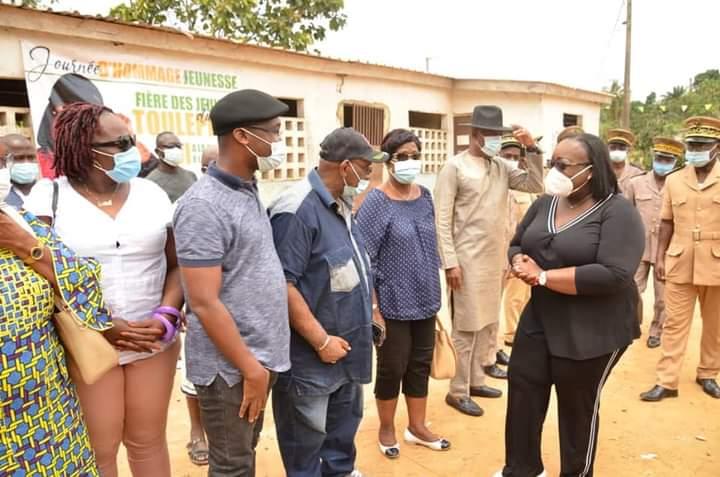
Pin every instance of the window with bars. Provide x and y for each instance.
(367, 120)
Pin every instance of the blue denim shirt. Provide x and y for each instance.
(332, 274)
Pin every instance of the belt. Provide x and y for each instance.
(698, 235)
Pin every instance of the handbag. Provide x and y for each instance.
(444, 356)
(88, 353)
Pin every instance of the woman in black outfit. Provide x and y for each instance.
(579, 247)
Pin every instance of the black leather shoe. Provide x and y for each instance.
(653, 341)
(709, 387)
(658, 393)
(495, 371)
(502, 358)
(485, 391)
(465, 405)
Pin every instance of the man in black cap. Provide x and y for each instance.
(238, 336)
(471, 200)
(318, 404)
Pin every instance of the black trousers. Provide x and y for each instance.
(405, 358)
(578, 384)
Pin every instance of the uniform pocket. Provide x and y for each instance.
(344, 276)
(675, 250)
(679, 202)
(643, 197)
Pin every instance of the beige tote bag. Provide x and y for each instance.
(444, 356)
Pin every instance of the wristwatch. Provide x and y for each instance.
(534, 149)
(36, 253)
(542, 279)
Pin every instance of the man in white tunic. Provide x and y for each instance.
(471, 197)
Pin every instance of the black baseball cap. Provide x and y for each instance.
(346, 143)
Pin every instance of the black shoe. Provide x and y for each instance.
(495, 371)
(464, 404)
(709, 387)
(502, 358)
(658, 393)
(653, 341)
(485, 391)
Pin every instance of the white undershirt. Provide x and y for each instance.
(130, 248)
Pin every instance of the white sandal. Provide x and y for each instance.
(437, 445)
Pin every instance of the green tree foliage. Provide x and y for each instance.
(665, 116)
(290, 24)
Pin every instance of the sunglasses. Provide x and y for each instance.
(123, 143)
(562, 166)
(405, 157)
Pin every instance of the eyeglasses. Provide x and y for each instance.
(123, 143)
(561, 166)
(404, 157)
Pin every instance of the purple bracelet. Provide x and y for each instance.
(170, 329)
(170, 310)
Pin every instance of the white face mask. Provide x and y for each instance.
(559, 185)
(492, 146)
(350, 192)
(278, 153)
(173, 156)
(407, 171)
(5, 183)
(618, 156)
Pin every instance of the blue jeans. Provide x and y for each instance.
(316, 434)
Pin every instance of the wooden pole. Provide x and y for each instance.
(625, 120)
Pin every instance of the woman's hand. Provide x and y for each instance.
(526, 269)
(126, 338)
(379, 321)
(15, 238)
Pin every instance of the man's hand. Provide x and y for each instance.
(255, 392)
(454, 278)
(335, 350)
(523, 136)
(660, 269)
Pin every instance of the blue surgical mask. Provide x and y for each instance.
(350, 192)
(663, 169)
(24, 172)
(127, 165)
(698, 158)
(492, 146)
(407, 171)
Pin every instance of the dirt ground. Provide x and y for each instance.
(677, 437)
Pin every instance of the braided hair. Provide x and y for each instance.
(73, 134)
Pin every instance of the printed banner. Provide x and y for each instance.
(154, 96)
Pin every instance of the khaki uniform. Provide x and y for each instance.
(644, 193)
(692, 272)
(517, 292)
(628, 173)
(471, 194)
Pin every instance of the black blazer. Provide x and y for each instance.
(605, 245)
